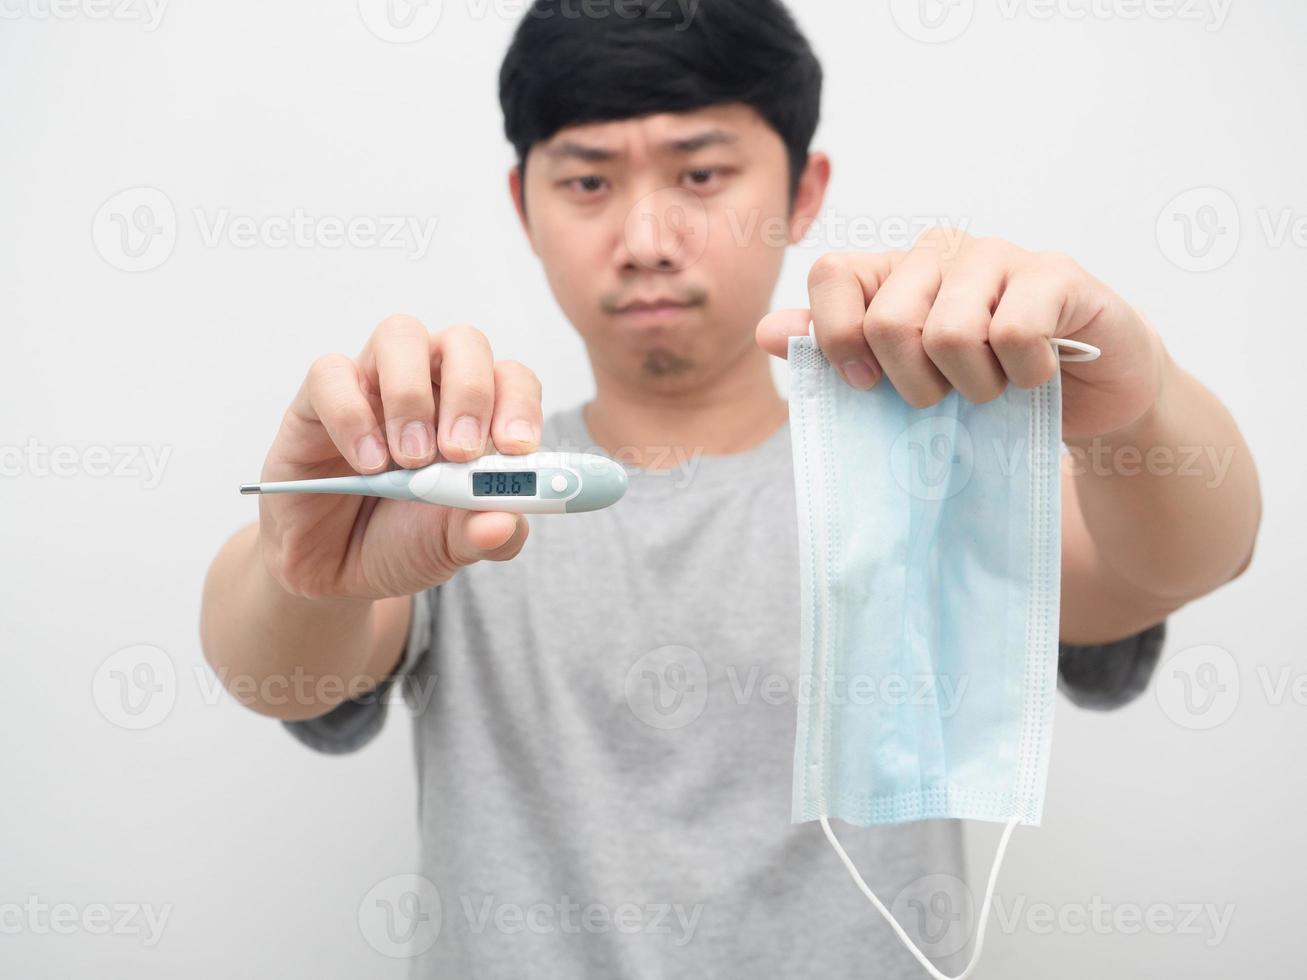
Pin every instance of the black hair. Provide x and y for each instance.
(578, 61)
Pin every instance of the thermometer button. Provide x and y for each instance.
(556, 484)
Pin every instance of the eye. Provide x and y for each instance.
(587, 185)
(703, 177)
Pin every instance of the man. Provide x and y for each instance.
(604, 717)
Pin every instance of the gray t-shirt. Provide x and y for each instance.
(605, 732)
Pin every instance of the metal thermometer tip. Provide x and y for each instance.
(251, 488)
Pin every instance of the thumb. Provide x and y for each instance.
(491, 535)
(776, 328)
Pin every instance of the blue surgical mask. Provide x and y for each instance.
(930, 564)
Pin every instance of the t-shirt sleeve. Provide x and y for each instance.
(353, 724)
(1109, 675)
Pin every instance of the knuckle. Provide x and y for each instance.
(931, 235)
(470, 391)
(518, 373)
(843, 338)
(338, 402)
(830, 267)
(398, 324)
(942, 235)
(948, 338)
(991, 248)
(406, 397)
(1059, 262)
(1061, 269)
(1010, 335)
(325, 364)
(889, 325)
(465, 333)
(353, 418)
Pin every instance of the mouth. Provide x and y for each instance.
(659, 310)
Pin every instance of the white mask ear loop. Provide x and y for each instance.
(1088, 352)
(898, 929)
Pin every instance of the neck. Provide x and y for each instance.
(734, 411)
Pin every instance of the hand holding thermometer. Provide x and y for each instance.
(536, 483)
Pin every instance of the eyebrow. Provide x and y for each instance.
(597, 154)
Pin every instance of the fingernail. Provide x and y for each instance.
(466, 433)
(522, 430)
(371, 451)
(858, 373)
(415, 439)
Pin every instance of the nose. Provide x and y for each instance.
(665, 230)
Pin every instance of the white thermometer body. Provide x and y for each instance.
(537, 483)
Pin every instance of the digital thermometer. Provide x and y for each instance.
(537, 483)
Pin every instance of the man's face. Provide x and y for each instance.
(662, 237)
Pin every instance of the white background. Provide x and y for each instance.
(1072, 127)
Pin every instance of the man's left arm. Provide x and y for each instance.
(1156, 513)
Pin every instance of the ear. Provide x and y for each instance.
(515, 191)
(809, 196)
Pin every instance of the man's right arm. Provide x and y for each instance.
(311, 606)
(288, 656)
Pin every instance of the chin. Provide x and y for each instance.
(662, 363)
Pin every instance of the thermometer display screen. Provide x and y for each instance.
(488, 483)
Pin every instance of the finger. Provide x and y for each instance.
(894, 322)
(332, 394)
(956, 333)
(515, 427)
(839, 288)
(1026, 317)
(777, 327)
(463, 367)
(397, 361)
(492, 535)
